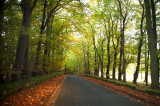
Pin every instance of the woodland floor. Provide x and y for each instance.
(145, 98)
(44, 93)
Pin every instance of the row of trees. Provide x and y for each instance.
(118, 33)
(38, 37)
(34, 36)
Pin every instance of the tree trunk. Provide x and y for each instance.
(120, 66)
(96, 70)
(152, 48)
(146, 68)
(22, 41)
(101, 62)
(26, 73)
(47, 45)
(114, 65)
(88, 64)
(21, 61)
(2, 3)
(109, 60)
(84, 57)
(37, 59)
(100, 58)
(154, 28)
(138, 62)
(123, 16)
(123, 47)
(139, 47)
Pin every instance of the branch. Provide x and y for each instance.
(120, 7)
(50, 13)
(34, 4)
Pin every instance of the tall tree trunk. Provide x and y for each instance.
(45, 21)
(109, 60)
(2, 3)
(37, 59)
(139, 46)
(47, 44)
(26, 73)
(96, 70)
(100, 58)
(120, 66)
(115, 57)
(21, 61)
(84, 57)
(114, 65)
(154, 28)
(146, 67)
(123, 47)
(123, 16)
(101, 62)
(88, 64)
(152, 48)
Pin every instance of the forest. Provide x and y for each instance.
(112, 39)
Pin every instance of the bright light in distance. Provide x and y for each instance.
(77, 35)
(85, 1)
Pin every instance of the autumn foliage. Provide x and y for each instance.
(42, 94)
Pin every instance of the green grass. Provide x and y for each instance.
(132, 86)
(10, 88)
(154, 92)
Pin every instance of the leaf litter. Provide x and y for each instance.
(44, 93)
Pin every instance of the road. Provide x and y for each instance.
(77, 91)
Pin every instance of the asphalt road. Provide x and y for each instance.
(77, 91)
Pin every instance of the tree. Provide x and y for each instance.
(100, 57)
(152, 48)
(45, 22)
(2, 3)
(21, 61)
(140, 44)
(122, 53)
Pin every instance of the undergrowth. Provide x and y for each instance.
(13, 87)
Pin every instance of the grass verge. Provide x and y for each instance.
(132, 86)
(13, 87)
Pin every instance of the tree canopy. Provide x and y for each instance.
(108, 38)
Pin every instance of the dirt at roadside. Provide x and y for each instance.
(145, 98)
(44, 93)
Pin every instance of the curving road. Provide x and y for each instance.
(77, 91)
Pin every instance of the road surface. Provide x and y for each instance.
(77, 91)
